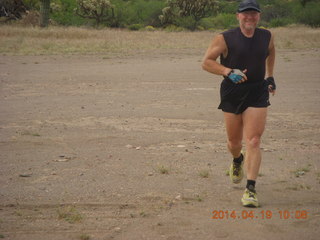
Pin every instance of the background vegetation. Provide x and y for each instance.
(139, 14)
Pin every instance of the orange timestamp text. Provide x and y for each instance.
(260, 214)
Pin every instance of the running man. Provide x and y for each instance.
(247, 56)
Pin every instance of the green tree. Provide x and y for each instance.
(44, 12)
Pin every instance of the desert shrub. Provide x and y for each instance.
(279, 9)
(101, 11)
(32, 4)
(228, 7)
(146, 12)
(187, 13)
(62, 12)
(149, 28)
(207, 23)
(143, 12)
(221, 21)
(280, 22)
(135, 27)
(32, 18)
(12, 10)
(310, 14)
(187, 22)
(174, 28)
(282, 12)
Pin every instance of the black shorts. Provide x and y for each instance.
(236, 98)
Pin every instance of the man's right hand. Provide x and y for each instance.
(237, 76)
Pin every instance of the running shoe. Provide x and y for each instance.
(249, 198)
(236, 171)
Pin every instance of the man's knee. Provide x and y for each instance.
(234, 144)
(254, 142)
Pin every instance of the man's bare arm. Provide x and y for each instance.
(210, 64)
(270, 65)
(271, 58)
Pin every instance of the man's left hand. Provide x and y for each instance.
(271, 85)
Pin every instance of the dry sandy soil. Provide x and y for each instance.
(134, 148)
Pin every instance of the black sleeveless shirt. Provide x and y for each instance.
(247, 53)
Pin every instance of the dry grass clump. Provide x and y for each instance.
(19, 40)
(62, 40)
(69, 214)
(297, 37)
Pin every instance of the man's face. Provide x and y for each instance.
(248, 19)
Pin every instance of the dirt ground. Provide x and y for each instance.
(96, 147)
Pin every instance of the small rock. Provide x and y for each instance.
(179, 198)
(138, 148)
(181, 146)
(62, 158)
(267, 150)
(129, 146)
(300, 173)
(25, 175)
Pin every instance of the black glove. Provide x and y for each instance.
(271, 82)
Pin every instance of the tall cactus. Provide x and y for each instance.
(99, 10)
(44, 13)
(196, 9)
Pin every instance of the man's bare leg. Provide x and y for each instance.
(234, 127)
(254, 120)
